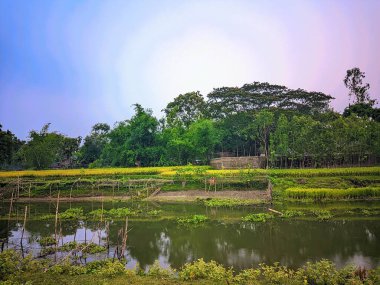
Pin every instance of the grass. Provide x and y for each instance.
(228, 203)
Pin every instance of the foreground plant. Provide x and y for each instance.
(14, 269)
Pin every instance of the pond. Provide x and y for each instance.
(224, 238)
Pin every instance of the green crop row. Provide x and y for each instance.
(332, 193)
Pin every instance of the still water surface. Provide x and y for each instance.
(224, 238)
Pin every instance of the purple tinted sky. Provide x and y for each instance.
(75, 63)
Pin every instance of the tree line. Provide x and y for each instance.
(290, 127)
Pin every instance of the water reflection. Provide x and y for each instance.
(240, 245)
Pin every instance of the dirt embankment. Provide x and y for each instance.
(188, 195)
(191, 195)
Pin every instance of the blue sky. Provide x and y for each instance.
(75, 63)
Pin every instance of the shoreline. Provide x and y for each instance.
(187, 195)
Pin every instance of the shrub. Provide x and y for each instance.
(47, 241)
(157, 271)
(200, 269)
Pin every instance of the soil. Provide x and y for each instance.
(194, 194)
(188, 195)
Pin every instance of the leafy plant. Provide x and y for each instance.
(260, 217)
(292, 214)
(200, 269)
(47, 241)
(322, 215)
(72, 214)
(193, 220)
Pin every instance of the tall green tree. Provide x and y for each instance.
(279, 140)
(226, 101)
(9, 145)
(94, 143)
(203, 137)
(354, 82)
(263, 125)
(185, 109)
(133, 142)
(44, 148)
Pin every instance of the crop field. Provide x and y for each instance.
(169, 171)
(295, 184)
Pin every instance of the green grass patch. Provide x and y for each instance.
(228, 203)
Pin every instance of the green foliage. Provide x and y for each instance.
(158, 272)
(133, 142)
(292, 214)
(45, 148)
(322, 215)
(215, 202)
(185, 109)
(322, 272)
(354, 82)
(17, 270)
(192, 220)
(154, 212)
(203, 137)
(119, 212)
(47, 241)
(277, 274)
(112, 213)
(12, 263)
(109, 268)
(72, 214)
(260, 217)
(9, 145)
(200, 269)
(94, 144)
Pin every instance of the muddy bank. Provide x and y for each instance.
(191, 195)
(188, 195)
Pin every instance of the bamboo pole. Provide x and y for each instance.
(274, 211)
(55, 225)
(125, 237)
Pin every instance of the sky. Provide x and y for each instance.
(75, 63)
